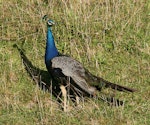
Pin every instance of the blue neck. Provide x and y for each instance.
(51, 50)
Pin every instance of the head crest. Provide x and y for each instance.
(49, 22)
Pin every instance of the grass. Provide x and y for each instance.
(111, 38)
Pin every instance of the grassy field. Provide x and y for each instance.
(110, 37)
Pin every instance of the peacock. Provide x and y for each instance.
(66, 69)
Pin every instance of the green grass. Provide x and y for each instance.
(111, 38)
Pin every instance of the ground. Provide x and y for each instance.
(110, 38)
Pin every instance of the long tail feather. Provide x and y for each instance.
(99, 83)
(115, 86)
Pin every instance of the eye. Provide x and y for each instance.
(50, 23)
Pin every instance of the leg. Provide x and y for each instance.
(77, 100)
(64, 93)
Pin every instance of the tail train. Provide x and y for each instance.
(108, 84)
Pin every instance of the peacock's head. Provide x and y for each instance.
(49, 22)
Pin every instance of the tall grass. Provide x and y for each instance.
(111, 39)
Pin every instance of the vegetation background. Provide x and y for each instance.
(110, 37)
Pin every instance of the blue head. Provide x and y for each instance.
(51, 50)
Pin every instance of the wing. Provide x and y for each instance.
(73, 69)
